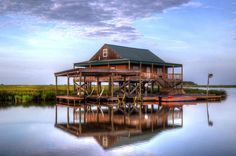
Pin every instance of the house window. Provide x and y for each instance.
(105, 141)
(105, 52)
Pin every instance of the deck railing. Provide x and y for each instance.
(162, 75)
(144, 75)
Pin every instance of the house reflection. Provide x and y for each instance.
(113, 129)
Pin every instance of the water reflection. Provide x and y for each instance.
(210, 123)
(113, 129)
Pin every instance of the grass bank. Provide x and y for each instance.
(25, 94)
(203, 91)
(29, 93)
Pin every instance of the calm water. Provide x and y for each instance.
(188, 131)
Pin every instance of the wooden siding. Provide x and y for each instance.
(99, 55)
(134, 67)
(111, 66)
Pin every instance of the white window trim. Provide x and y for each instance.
(105, 52)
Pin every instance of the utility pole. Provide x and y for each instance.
(210, 75)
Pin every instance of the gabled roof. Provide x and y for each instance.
(128, 55)
(135, 54)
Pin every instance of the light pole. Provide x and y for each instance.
(210, 75)
(210, 123)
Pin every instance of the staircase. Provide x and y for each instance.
(169, 87)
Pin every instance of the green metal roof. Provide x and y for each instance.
(122, 61)
(132, 55)
(135, 53)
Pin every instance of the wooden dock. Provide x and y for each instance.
(151, 99)
(209, 97)
(70, 97)
(179, 99)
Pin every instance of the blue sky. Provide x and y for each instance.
(40, 37)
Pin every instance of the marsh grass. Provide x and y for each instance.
(30, 93)
(24, 94)
(203, 91)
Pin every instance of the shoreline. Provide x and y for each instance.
(26, 94)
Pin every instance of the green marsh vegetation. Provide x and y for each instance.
(29, 93)
(204, 91)
(193, 88)
(41, 94)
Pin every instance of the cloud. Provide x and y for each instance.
(93, 18)
(193, 4)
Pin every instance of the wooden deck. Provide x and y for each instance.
(152, 99)
(70, 97)
(179, 99)
(209, 97)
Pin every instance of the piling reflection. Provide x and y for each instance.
(113, 128)
(210, 123)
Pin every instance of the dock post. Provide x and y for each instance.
(80, 83)
(152, 108)
(140, 88)
(109, 112)
(129, 87)
(98, 86)
(160, 100)
(112, 86)
(125, 85)
(109, 86)
(152, 88)
(97, 114)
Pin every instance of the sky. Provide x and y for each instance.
(41, 37)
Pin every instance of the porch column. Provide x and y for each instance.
(109, 86)
(85, 86)
(140, 87)
(98, 89)
(80, 83)
(152, 67)
(129, 65)
(125, 85)
(56, 84)
(163, 72)
(140, 66)
(74, 81)
(112, 85)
